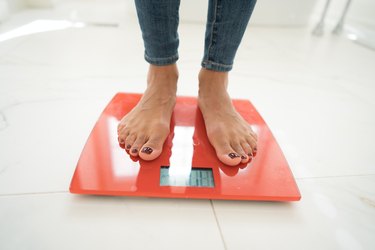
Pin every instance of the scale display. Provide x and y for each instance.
(198, 177)
(188, 166)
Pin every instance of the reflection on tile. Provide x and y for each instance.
(65, 221)
(335, 213)
(42, 142)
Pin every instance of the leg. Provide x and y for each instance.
(230, 135)
(158, 20)
(144, 129)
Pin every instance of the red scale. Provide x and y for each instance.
(187, 167)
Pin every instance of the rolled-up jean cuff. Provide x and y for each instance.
(216, 66)
(161, 61)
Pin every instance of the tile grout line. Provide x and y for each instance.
(36, 193)
(333, 176)
(218, 225)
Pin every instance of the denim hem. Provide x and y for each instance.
(161, 61)
(216, 66)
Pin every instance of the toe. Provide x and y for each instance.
(138, 143)
(253, 134)
(253, 144)
(122, 134)
(120, 126)
(239, 150)
(227, 154)
(121, 142)
(129, 141)
(255, 149)
(152, 148)
(230, 159)
(247, 149)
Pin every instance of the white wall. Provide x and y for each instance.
(267, 12)
(7, 7)
(361, 12)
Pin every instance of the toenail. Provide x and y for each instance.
(147, 150)
(128, 146)
(243, 157)
(233, 155)
(134, 150)
(250, 155)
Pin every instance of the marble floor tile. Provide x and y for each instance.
(41, 141)
(65, 221)
(334, 213)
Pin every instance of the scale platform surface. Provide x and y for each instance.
(188, 166)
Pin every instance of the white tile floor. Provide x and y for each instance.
(316, 94)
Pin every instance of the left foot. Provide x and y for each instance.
(231, 136)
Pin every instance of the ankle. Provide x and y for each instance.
(167, 74)
(212, 83)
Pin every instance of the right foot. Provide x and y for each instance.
(145, 128)
(228, 132)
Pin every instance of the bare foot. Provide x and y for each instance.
(231, 136)
(144, 129)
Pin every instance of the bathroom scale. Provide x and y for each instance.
(188, 166)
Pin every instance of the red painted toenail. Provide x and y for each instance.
(128, 146)
(134, 150)
(147, 150)
(233, 155)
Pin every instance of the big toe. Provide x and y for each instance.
(227, 154)
(151, 149)
(230, 159)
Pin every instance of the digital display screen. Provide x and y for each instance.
(198, 177)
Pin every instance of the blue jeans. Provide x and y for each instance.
(226, 23)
